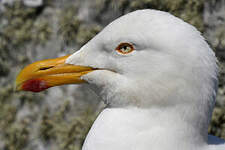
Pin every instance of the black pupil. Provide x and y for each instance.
(124, 47)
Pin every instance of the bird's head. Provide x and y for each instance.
(144, 58)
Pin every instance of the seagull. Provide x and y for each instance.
(155, 73)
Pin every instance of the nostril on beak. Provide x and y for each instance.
(46, 68)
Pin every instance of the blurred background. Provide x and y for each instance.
(59, 118)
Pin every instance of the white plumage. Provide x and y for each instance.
(161, 95)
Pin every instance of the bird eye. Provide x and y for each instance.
(124, 48)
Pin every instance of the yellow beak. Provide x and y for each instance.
(44, 74)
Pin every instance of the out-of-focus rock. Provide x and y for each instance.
(33, 3)
(7, 1)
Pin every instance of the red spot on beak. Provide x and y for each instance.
(35, 85)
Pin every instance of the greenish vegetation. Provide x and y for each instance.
(69, 24)
(217, 127)
(19, 26)
(69, 133)
(73, 30)
(87, 32)
(15, 133)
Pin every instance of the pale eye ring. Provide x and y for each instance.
(124, 48)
